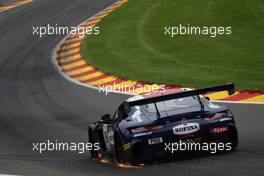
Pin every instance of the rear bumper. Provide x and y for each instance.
(141, 151)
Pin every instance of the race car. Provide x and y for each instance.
(142, 127)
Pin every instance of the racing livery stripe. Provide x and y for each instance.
(73, 64)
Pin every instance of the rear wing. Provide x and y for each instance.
(228, 87)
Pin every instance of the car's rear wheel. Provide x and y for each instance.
(234, 138)
(119, 150)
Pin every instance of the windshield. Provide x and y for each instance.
(174, 106)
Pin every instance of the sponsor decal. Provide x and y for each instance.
(186, 128)
(143, 134)
(156, 140)
(219, 130)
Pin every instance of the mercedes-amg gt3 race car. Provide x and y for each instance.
(142, 128)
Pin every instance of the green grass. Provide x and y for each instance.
(132, 43)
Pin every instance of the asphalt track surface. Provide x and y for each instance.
(37, 103)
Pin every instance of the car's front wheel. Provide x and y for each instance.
(93, 153)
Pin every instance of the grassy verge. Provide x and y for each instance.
(132, 43)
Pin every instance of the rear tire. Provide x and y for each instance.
(119, 151)
(234, 138)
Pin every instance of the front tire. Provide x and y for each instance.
(93, 153)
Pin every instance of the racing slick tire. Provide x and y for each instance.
(119, 150)
(232, 138)
(234, 142)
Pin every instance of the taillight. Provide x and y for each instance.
(216, 116)
(146, 128)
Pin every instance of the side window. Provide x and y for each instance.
(121, 112)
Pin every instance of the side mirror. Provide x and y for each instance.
(106, 117)
(207, 98)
